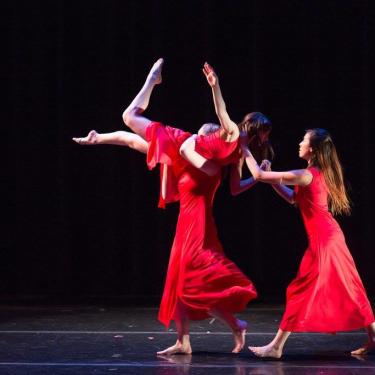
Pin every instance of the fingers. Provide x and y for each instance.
(207, 68)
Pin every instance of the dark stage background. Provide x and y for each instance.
(83, 221)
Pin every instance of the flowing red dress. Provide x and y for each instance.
(199, 275)
(327, 295)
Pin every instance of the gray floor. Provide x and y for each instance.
(104, 340)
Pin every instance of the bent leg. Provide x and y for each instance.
(132, 115)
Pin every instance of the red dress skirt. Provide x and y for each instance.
(327, 295)
(199, 275)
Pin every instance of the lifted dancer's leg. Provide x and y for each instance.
(132, 115)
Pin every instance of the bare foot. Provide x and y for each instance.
(155, 73)
(368, 348)
(239, 336)
(177, 348)
(91, 139)
(268, 351)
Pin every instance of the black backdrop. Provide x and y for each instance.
(84, 220)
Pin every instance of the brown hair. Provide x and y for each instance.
(326, 159)
(253, 124)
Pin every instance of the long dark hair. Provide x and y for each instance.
(326, 159)
(253, 124)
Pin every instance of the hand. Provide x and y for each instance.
(265, 165)
(210, 74)
(91, 139)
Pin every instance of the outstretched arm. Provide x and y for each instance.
(296, 177)
(230, 129)
(187, 151)
(120, 138)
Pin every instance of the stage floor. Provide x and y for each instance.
(119, 340)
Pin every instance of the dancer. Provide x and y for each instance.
(201, 282)
(327, 295)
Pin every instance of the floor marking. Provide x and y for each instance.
(166, 333)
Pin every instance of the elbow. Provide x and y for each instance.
(183, 151)
(234, 192)
(257, 175)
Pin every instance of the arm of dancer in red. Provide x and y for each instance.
(239, 185)
(230, 131)
(187, 151)
(300, 177)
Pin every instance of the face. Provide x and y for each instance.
(263, 136)
(305, 150)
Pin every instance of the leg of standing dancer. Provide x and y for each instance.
(131, 115)
(237, 326)
(182, 345)
(275, 348)
(369, 346)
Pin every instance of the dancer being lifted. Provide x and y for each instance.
(327, 295)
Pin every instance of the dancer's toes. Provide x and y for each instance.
(91, 139)
(155, 72)
(239, 336)
(267, 351)
(368, 348)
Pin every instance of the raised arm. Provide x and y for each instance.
(187, 151)
(120, 138)
(296, 177)
(230, 128)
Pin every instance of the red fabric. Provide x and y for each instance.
(164, 147)
(199, 274)
(213, 147)
(327, 295)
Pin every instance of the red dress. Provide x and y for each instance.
(327, 295)
(199, 274)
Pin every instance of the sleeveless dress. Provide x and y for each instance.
(327, 295)
(199, 275)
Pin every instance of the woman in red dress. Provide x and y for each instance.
(327, 295)
(201, 281)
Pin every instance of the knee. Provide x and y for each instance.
(126, 117)
(129, 115)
